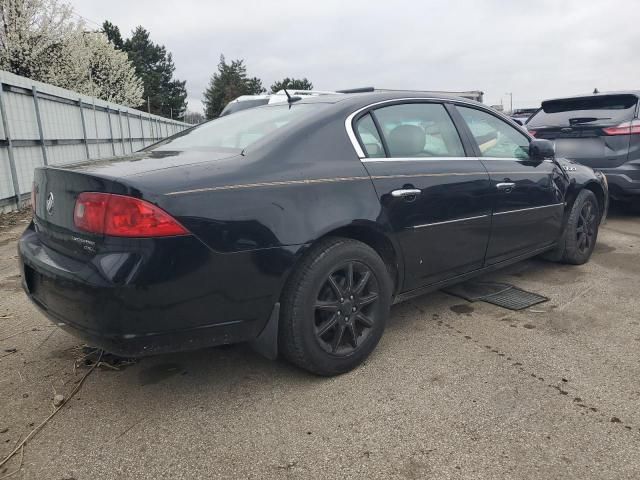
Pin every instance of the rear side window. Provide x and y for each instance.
(369, 137)
(419, 130)
(595, 110)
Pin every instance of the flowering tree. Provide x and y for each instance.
(40, 39)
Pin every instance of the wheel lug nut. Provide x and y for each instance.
(342, 300)
(353, 309)
(339, 313)
(351, 297)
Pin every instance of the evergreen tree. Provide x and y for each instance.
(228, 83)
(292, 83)
(163, 95)
(113, 34)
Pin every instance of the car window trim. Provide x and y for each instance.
(377, 127)
(415, 159)
(475, 145)
(353, 116)
(383, 139)
(371, 109)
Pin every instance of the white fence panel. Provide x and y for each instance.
(48, 125)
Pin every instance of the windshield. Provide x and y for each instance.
(238, 131)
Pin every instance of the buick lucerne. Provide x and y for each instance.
(296, 226)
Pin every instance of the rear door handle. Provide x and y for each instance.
(506, 186)
(406, 192)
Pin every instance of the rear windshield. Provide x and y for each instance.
(599, 109)
(238, 131)
(234, 107)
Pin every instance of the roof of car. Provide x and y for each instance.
(373, 97)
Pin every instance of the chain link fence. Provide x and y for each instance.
(47, 125)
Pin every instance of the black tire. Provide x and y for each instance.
(319, 332)
(581, 232)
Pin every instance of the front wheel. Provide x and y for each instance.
(581, 232)
(334, 307)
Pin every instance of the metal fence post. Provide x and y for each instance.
(95, 124)
(84, 129)
(152, 130)
(113, 142)
(121, 131)
(129, 129)
(142, 131)
(7, 134)
(45, 159)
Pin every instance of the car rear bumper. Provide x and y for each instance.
(624, 180)
(216, 299)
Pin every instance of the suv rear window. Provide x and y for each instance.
(598, 109)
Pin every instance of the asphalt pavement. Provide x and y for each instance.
(454, 390)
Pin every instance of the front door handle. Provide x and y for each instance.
(506, 186)
(406, 192)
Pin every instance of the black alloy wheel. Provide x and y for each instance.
(345, 308)
(334, 306)
(581, 231)
(586, 228)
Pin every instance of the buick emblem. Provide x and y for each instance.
(50, 203)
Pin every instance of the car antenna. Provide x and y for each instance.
(291, 98)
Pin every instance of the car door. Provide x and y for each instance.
(434, 198)
(527, 200)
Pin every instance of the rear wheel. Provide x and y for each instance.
(581, 232)
(334, 307)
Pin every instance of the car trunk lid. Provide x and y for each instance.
(57, 189)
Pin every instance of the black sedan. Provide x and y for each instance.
(295, 226)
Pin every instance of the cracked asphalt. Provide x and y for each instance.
(454, 390)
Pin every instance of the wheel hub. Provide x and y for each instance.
(348, 307)
(345, 308)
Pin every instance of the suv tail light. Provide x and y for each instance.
(626, 128)
(532, 132)
(122, 216)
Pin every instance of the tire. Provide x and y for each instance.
(581, 231)
(329, 326)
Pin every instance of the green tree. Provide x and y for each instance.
(228, 83)
(163, 95)
(113, 34)
(292, 83)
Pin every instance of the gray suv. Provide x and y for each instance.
(601, 131)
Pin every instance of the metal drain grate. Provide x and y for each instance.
(500, 294)
(514, 299)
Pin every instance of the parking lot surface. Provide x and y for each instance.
(454, 390)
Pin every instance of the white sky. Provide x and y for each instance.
(535, 49)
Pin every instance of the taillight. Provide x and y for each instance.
(121, 216)
(626, 128)
(532, 133)
(34, 195)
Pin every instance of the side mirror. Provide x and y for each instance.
(540, 150)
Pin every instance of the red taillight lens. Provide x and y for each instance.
(532, 133)
(121, 216)
(626, 128)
